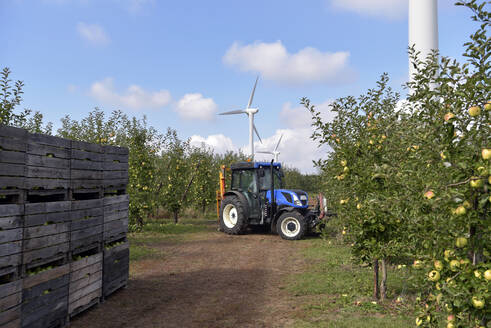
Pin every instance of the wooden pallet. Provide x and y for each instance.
(11, 236)
(115, 218)
(116, 268)
(46, 233)
(10, 304)
(48, 162)
(85, 283)
(45, 298)
(86, 217)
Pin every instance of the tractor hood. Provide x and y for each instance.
(295, 198)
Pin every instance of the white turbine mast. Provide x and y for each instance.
(275, 152)
(250, 112)
(423, 29)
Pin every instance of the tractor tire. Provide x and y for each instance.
(291, 226)
(232, 217)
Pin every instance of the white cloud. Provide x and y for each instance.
(72, 88)
(135, 6)
(300, 117)
(194, 106)
(391, 9)
(135, 97)
(93, 33)
(274, 62)
(218, 142)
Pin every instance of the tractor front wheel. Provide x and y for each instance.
(232, 217)
(291, 226)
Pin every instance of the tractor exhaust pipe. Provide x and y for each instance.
(273, 203)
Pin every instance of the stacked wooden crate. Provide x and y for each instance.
(86, 170)
(63, 244)
(45, 298)
(116, 203)
(85, 283)
(48, 167)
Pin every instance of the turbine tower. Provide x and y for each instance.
(250, 112)
(423, 29)
(275, 152)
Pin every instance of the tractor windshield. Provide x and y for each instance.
(265, 181)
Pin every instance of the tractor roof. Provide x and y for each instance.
(253, 165)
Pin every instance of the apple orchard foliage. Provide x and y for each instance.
(414, 183)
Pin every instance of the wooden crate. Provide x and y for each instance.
(115, 218)
(116, 268)
(11, 236)
(87, 223)
(46, 233)
(115, 168)
(10, 304)
(85, 283)
(86, 166)
(45, 298)
(13, 147)
(48, 162)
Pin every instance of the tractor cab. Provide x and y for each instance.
(256, 197)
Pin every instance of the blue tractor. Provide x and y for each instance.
(256, 198)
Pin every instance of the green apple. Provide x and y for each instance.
(417, 264)
(450, 325)
(474, 111)
(419, 322)
(434, 275)
(487, 106)
(477, 302)
(454, 265)
(487, 274)
(476, 182)
(438, 265)
(448, 253)
(344, 162)
(486, 153)
(346, 169)
(477, 274)
(461, 242)
(467, 204)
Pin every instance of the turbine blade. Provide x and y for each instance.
(252, 94)
(264, 152)
(232, 112)
(257, 133)
(278, 144)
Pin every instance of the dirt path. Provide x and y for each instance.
(208, 280)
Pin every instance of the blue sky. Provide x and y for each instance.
(181, 62)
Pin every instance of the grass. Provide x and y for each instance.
(144, 244)
(336, 293)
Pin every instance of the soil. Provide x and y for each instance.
(207, 280)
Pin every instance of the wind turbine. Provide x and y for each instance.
(275, 152)
(250, 112)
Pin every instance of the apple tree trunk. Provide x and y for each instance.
(376, 289)
(383, 282)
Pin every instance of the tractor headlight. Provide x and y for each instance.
(296, 201)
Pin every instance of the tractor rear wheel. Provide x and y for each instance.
(291, 226)
(232, 217)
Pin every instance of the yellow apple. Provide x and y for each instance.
(417, 264)
(344, 162)
(487, 274)
(454, 265)
(438, 265)
(477, 274)
(487, 106)
(486, 153)
(448, 116)
(477, 302)
(429, 194)
(476, 182)
(474, 111)
(461, 242)
(460, 210)
(434, 275)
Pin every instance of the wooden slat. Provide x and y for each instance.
(10, 318)
(47, 183)
(91, 222)
(86, 174)
(85, 165)
(14, 157)
(83, 204)
(46, 241)
(45, 255)
(36, 160)
(13, 182)
(47, 172)
(49, 207)
(87, 278)
(108, 149)
(89, 147)
(85, 302)
(86, 261)
(12, 132)
(46, 230)
(10, 288)
(44, 139)
(109, 158)
(10, 248)
(46, 276)
(115, 199)
(48, 151)
(16, 170)
(44, 218)
(10, 301)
